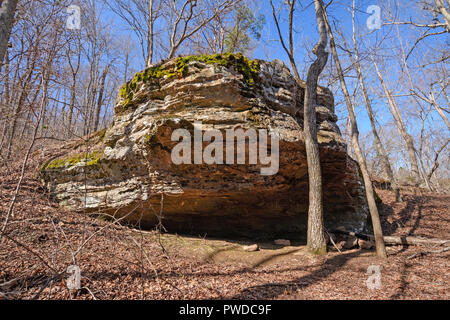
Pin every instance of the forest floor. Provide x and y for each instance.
(117, 262)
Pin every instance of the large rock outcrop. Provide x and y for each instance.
(128, 171)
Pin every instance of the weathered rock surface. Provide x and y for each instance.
(251, 248)
(127, 171)
(282, 242)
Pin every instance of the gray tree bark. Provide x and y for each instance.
(432, 99)
(380, 150)
(316, 242)
(7, 10)
(100, 98)
(150, 35)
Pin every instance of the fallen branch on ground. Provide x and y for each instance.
(332, 241)
(396, 240)
(421, 253)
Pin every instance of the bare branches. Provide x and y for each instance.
(289, 51)
(438, 8)
(436, 163)
(141, 16)
(186, 16)
(432, 26)
(378, 232)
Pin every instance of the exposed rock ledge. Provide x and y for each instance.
(127, 170)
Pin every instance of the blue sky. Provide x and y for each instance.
(269, 48)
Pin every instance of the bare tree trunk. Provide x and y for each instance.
(316, 241)
(378, 232)
(380, 150)
(433, 101)
(444, 11)
(100, 98)
(150, 35)
(72, 104)
(125, 73)
(401, 128)
(74, 72)
(420, 153)
(436, 157)
(27, 155)
(18, 110)
(6, 107)
(290, 51)
(7, 11)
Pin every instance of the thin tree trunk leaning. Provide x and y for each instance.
(290, 50)
(150, 35)
(433, 101)
(436, 163)
(378, 232)
(100, 98)
(5, 109)
(72, 105)
(396, 240)
(401, 128)
(7, 11)
(18, 110)
(316, 241)
(27, 155)
(380, 150)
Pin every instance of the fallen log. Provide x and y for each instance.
(422, 253)
(396, 240)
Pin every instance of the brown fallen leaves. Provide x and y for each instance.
(119, 263)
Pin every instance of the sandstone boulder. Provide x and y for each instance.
(128, 171)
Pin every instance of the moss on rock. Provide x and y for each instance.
(91, 159)
(247, 67)
(101, 135)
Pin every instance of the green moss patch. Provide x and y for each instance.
(247, 67)
(91, 159)
(101, 135)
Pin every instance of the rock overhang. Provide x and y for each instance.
(131, 173)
